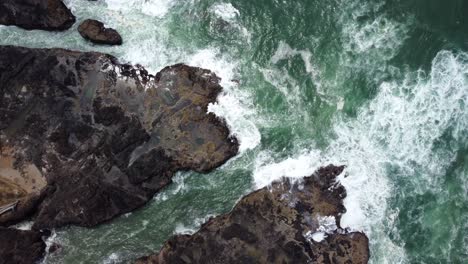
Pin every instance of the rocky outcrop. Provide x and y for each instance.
(20, 247)
(105, 136)
(96, 32)
(289, 222)
(36, 14)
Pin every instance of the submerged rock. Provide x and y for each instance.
(95, 31)
(278, 224)
(36, 14)
(105, 136)
(22, 247)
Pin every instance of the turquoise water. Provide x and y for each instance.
(380, 86)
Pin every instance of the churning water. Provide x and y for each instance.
(380, 86)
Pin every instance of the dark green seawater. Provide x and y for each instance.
(380, 86)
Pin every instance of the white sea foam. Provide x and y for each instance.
(225, 11)
(112, 258)
(120, 4)
(284, 51)
(193, 227)
(50, 241)
(266, 170)
(287, 85)
(317, 236)
(156, 8)
(370, 38)
(293, 90)
(381, 35)
(234, 104)
(25, 225)
(178, 186)
(327, 225)
(228, 13)
(396, 131)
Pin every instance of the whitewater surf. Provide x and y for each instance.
(378, 86)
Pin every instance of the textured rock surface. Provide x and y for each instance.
(95, 31)
(36, 14)
(20, 247)
(105, 136)
(18, 181)
(274, 225)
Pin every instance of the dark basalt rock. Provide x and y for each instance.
(274, 225)
(36, 14)
(95, 31)
(20, 247)
(105, 136)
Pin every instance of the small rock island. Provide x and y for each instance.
(96, 32)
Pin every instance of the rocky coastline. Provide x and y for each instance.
(85, 138)
(287, 222)
(104, 136)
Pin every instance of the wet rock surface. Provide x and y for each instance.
(20, 247)
(96, 32)
(275, 225)
(105, 136)
(36, 14)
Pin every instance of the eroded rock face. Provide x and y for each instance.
(275, 225)
(36, 14)
(95, 31)
(105, 136)
(22, 247)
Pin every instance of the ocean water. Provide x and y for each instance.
(380, 86)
